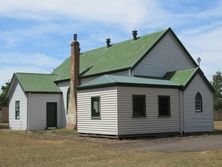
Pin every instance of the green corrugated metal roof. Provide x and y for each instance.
(182, 77)
(33, 82)
(119, 56)
(106, 80)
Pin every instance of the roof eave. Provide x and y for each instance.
(129, 85)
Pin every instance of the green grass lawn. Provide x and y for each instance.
(64, 148)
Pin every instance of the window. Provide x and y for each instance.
(198, 102)
(17, 109)
(67, 101)
(164, 106)
(95, 107)
(139, 106)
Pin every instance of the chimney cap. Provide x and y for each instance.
(75, 37)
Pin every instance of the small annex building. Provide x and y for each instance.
(146, 85)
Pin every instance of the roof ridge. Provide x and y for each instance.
(35, 73)
(163, 30)
(109, 77)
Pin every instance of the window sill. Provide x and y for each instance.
(135, 117)
(164, 116)
(95, 118)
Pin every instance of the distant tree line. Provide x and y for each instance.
(3, 95)
(217, 84)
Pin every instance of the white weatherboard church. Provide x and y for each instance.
(146, 85)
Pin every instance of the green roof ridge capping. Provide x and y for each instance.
(119, 56)
(36, 82)
(182, 77)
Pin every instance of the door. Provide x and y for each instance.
(51, 110)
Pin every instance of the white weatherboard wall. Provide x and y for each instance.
(18, 94)
(196, 122)
(107, 125)
(64, 86)
(37, 110)
(152, 123)
(165, 57)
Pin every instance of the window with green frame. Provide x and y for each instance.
(17, 109)
(95, 107)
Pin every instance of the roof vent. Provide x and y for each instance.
(108, 42)
(134, 33)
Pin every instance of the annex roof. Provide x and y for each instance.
(116, 80)
(34, 82)
(182, 77)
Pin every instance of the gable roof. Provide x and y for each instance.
(34, 82)
(182, 77)
(116, 80)
(119, 57)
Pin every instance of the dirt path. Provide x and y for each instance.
(175, 144)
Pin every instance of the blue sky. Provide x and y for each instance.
(35, 35)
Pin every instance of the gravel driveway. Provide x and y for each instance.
(174, 144)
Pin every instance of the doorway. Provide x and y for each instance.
(51, 116)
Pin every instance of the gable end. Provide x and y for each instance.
(169, 30)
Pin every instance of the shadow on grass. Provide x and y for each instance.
(57, 132)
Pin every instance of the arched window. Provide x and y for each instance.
(67, 100)
(198, 103)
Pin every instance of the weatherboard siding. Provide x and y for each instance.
(107, 125)
(18, 124)
(64, 86)
(196, 122)
(152, 123)
(37, 110)
(166, 56)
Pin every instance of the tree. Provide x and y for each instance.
(3, 95)
(217, 84)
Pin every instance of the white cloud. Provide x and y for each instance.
(203, 41)
(206, 44)
(18, 62)
(24, 59)
(127, 13)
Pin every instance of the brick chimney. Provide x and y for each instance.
(74, 83)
